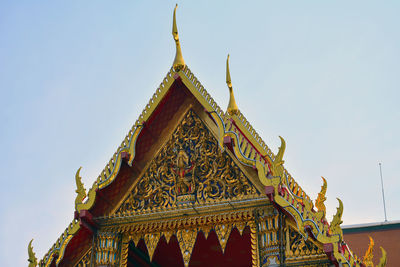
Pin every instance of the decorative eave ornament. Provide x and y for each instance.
(179, 63)
(32, 258)
(369, 254)
(232, 107)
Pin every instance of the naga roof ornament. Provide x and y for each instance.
(32, 257)
(232, 107)
(369, 254)
(80, 190)
(179, 63)
(319, 202)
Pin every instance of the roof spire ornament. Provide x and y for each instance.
(369, 254)
(80, 190)
(232, 107)
(32, 258)
(179, 63)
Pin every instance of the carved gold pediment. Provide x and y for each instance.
(189, 169)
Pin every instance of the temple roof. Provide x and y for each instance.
(236, 134)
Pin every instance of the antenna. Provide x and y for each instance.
(383, 192)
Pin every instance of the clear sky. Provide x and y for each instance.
(75, 75)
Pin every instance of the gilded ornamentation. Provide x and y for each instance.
(337, 220)
(319, 202)
(369, 254)
(382, 261)
(32, 257)
(206, 230)
(277, 165)
(80, 190)
(179, 63)
(240, 226)
(254, 245)
(299, 247)
(86, 259)
(189, 168)
(107, 249)
(223, 232)
(151, 241)
(124, 250)
(186, 239)
(168, 235)
(232, 107)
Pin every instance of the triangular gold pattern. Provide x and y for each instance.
(136, 238)
(223, 232)
(186, 239)
(168, 236)
(206, 231)
(240, 226)
(151, 241)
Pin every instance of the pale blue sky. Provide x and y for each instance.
(75, 75)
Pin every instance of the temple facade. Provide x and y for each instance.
(193, 185)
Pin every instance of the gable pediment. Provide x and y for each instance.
(189, 169)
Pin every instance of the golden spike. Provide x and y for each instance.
(382, 261)
(80, 190)
(277, 164)
(179, 63)
(337, 220)
(32, 258)
(369, 254)
(319, 202)
(232, 107)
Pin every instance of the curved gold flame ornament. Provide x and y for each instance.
(319, 202)
(32, 258)
(369, 254)
(382, 261)
(337, 220)
(80, 190)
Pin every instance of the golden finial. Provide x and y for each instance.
(179, 63)
(382, 261)
(319, 202)
(80, 190)
(369, 254)
(232, 107)
(32, 258)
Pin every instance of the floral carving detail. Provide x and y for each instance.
(189, 168)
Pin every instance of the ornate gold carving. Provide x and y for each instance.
(277, 165)
(186, 239)
(298, 247)
(319, 202)
(168, 235)
(32, 257)
(80, 190)
(254, 245)
(369, 254)
(86, 259)
(232, 107)
(337, 220)
(124, 250)
(179, 63)
(223, 232)
(189, 168)
(382, 261)
(151, 241)
(106, 249)
(206, 231)
(240, 226)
